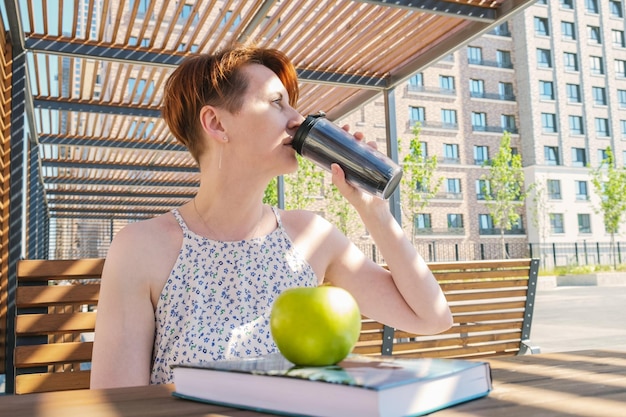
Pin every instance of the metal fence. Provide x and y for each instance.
(551, 255)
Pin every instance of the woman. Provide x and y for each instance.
(197, 283)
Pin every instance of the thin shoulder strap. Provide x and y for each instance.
(278, 219)
(179, 219)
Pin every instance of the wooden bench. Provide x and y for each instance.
(492, 304)
(54, 324)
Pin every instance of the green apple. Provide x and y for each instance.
(315, 326)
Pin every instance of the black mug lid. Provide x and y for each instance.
(303, 130)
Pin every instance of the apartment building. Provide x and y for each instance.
(555, 78)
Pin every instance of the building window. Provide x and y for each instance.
(602, 127)
(508, 123)
(416, 82)
(455, 221)
(506, 91)
(554, 189)
(618, 38)
(602, 156)
(451, 153)
(474, 55)
(621, 98)
(622, 124)
(594, 35)
(227, 17)
(567, 4)
(481, 154)
(186, 13)
(546, 90)
(416, 114)
(579, 157)
(483, 188)
(504, 59)
(446, 82)
(584, 223)
(551, 155)
(142, 8)
(597, 65)
(140, 89)
(422, 223)
(548, 122)
(576, 125)
(620, 68)
(542, 26)
(570, 61)
(479, 121)
(573, 93)
(556, 223)
(448, 118)
(477, 88)
(485, 223)
(581, 190)
(599, 96)
(544, 58)
(569, 30)
(453, 185)
(591, 6)
(424, 149)
(615, 8)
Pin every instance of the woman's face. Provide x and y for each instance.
(260, 133)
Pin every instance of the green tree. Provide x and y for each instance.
(609, 183)
(418, 183)
(270, 196)
(506, 182)
(303, 185)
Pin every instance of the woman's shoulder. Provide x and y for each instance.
(302, 218)
(146, 242)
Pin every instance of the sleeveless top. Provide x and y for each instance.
(216, 302)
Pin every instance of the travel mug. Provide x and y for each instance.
(321, 141)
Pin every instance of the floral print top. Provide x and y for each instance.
(216, 302)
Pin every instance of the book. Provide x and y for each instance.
(357, 386)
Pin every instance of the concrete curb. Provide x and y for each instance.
(603, 279)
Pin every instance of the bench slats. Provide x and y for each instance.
(53, 353)
(37, 296)
(44, 270)
(34, 324)
(51, 381)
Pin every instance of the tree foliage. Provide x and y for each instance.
(418, 183)
(609, 183)
(303, 185)
(506, 188)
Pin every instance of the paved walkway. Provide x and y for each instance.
(579, 317)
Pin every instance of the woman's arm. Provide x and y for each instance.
(407, 296)
(124, 335)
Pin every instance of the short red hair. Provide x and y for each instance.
(217, 80)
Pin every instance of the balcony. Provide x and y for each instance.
(449, 196)
(492, 96)
(432, 125)
(413, 88)
(450, 231)
(494, 129)
(487, 63)
(494, 231)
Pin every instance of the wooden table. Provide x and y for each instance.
(583, 383)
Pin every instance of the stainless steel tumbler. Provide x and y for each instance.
(321, 141)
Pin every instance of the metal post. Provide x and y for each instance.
(619, 253)
(280, 190)
(598, 252)
(554, 253)
(576, 253)
(392, 147)
(586, 254)
(482, 251)
(456, 252)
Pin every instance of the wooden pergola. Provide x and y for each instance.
(81, 133)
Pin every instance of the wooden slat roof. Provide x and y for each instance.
(97, 70)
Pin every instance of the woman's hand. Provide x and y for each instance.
(359, 199)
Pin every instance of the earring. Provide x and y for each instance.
(225, 138)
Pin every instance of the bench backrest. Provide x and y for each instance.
(492, 304)
(56, 301)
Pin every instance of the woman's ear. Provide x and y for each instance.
(211, 123)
